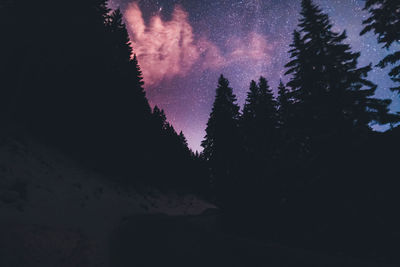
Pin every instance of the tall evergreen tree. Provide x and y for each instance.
(248, 119)
(159, 118)
(266, 137)
(183, 139)
(332, 96)
(384, 21)
(222, 124)
(119, 39)
(259, 120)
(259, 124)
(222, 142)
(285, 122)
(267, 106)
(284, 105)
(124, 65)
(250, 106)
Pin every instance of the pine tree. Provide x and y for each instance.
(137, 85)
(123, 108)
(222, 124)
(249, 109)
(222, 142)
(124, 62)
(332, 97)
(248, 119)
(285, 122)
(259, 120)
(183, 140)
(159, 118)
(288, 149)
(259, 125)
(267, 110)
(119, 39)
(300, 89)
(384, 21)
(284, 105)
(128, 76)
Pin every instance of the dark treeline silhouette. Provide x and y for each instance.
(305, 167)
(68, 76)
(384, 21)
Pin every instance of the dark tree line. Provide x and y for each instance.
(303, 166)
(384, 21)
(69, 77)
(306, 166)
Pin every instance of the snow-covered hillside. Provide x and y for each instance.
(53, 212)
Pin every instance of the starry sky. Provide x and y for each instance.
(184, 45)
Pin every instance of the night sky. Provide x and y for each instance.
(184, 45)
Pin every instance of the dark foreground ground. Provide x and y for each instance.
(158, 240)
(54, 213)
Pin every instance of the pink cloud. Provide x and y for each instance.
(167, 49)
(253, 47)
(211, 55)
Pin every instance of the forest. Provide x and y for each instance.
(299, 165)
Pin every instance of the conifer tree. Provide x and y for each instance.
(249, 108)
(284, 105)
(332, 96)
(248, 119)
(288, 148)
(384, 21)
(222, 124)
(222, 142)
(267, 109)
(137, 85)
(285, 116)
(125, 66)
(259, 125)
(183, 140)
(259, 120)
(119, 39)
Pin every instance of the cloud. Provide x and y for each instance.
(252, 47)
(212, 56)
(164, 48)
(167, 49)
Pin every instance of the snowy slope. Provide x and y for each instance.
(51, 205)
(54, 213)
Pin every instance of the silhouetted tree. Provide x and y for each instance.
(249, 108)
(249, 127)
(75, 84)
(285, 126)
(333, 106)
(384, 21)
(284, 104)
(222, 142)
(259, 124)
(266, 114)
(183, 140)
(159, 117)
(332, 97)
(119, 39)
